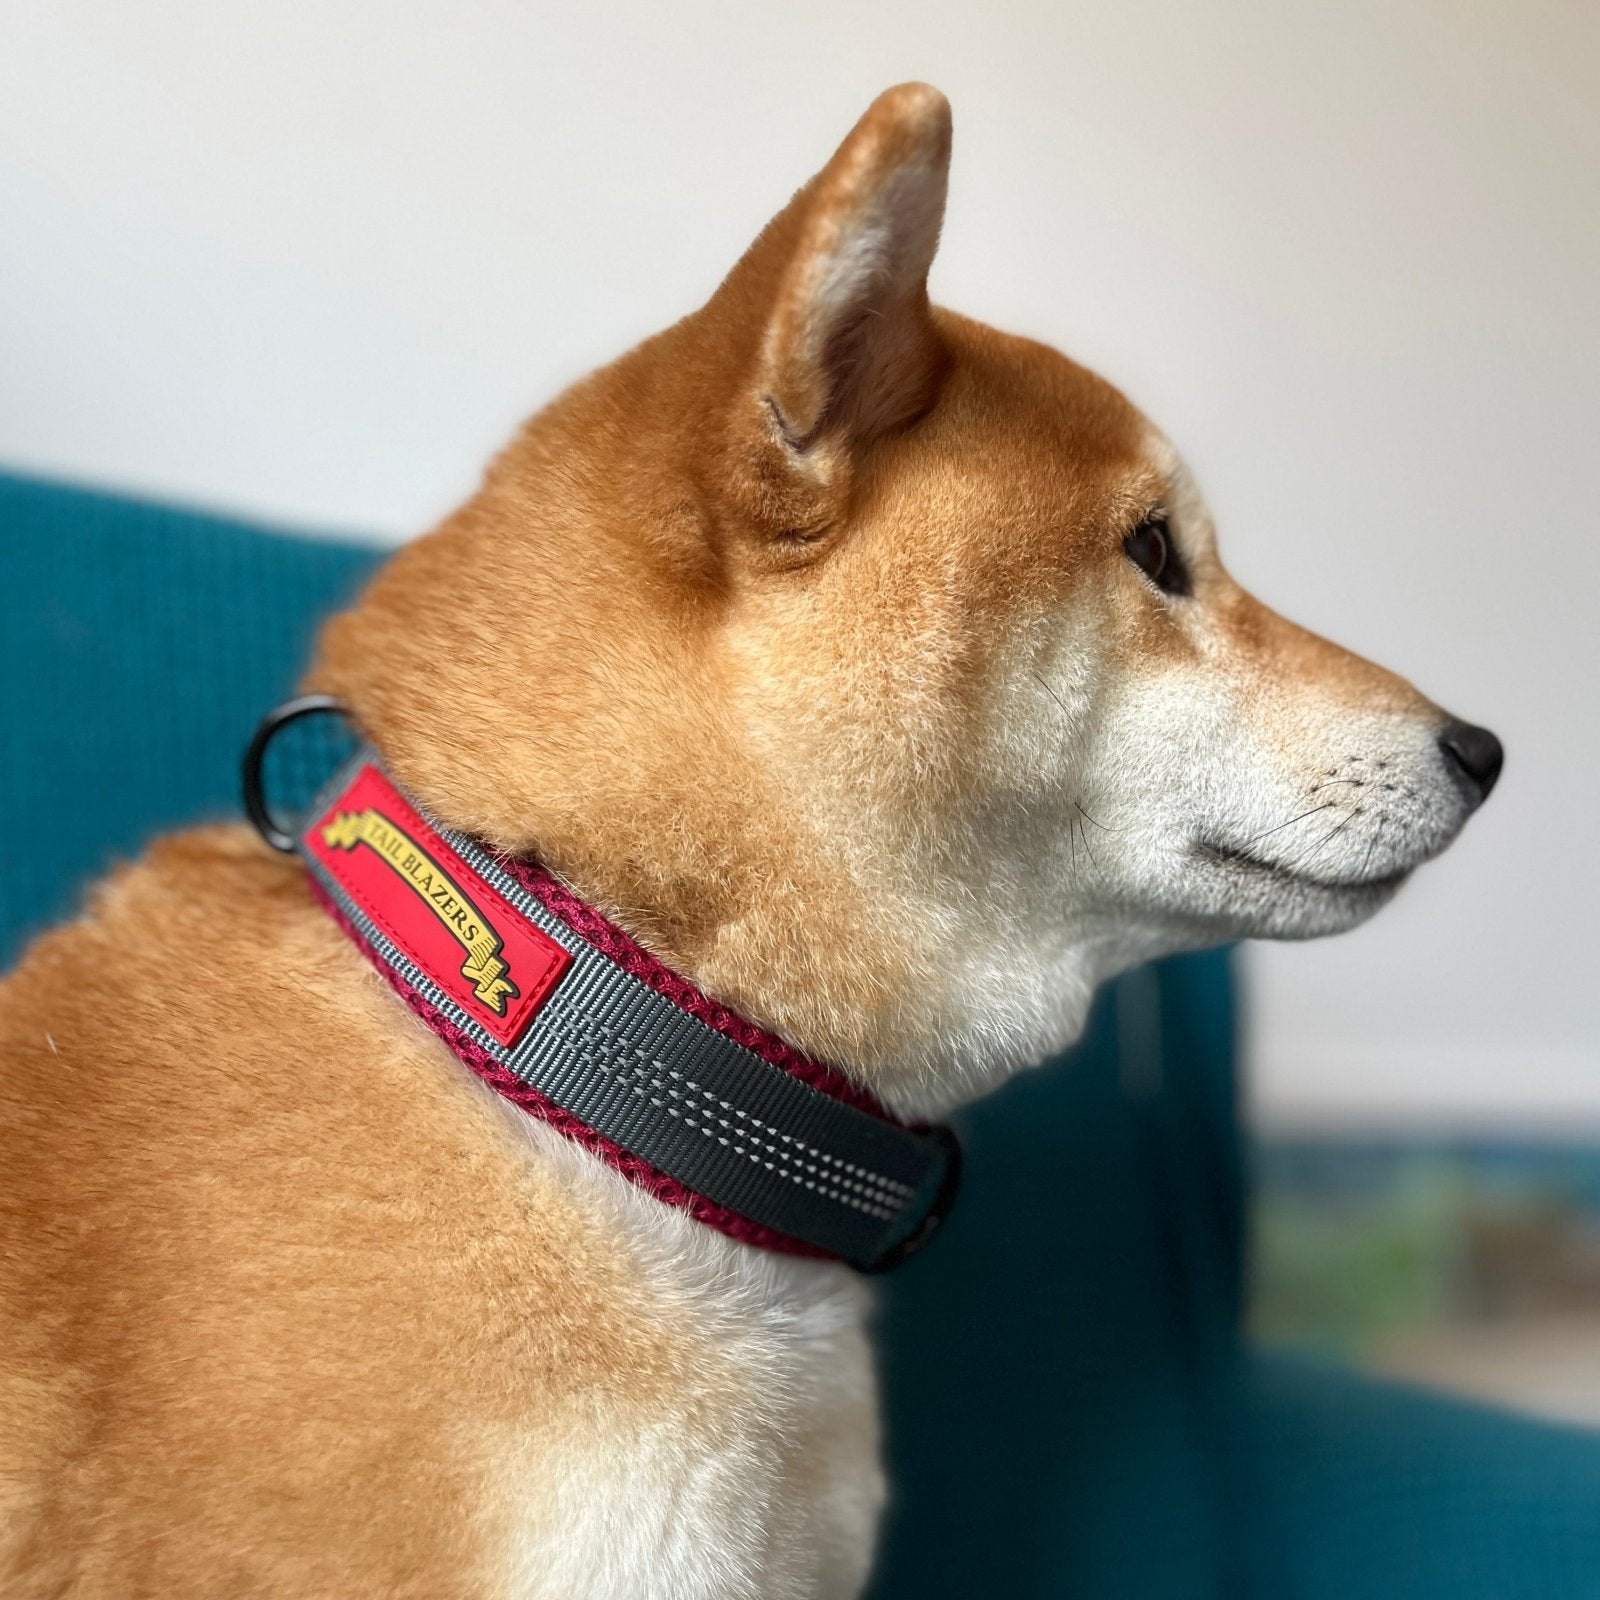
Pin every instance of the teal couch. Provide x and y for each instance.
(1072, 1410)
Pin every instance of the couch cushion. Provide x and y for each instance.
(140, 646)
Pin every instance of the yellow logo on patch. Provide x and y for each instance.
(437, 890)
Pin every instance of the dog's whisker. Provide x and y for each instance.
(1327, 839)
(1372, 843)
(1044, 683)
(1088, 848)
(1087, 818)
(1326, 805)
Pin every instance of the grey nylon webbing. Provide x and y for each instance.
(690, 1101)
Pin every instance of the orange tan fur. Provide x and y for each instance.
(800, 640)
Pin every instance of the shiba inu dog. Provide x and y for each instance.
(803, 644)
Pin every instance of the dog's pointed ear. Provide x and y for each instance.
(849, 346)
(832, 305)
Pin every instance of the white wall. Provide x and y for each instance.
(312, 261)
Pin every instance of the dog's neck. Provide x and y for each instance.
(566, 1016)
(924, 994)
(926, 981)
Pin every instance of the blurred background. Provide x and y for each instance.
(312, 263)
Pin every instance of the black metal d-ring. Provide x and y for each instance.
(949, 1187)
(255, 804)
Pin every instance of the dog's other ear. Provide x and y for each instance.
(835, 295)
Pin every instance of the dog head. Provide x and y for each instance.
(879, 669)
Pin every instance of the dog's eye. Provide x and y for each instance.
(1149, 547)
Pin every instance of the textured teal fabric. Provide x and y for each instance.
(1359, 1489)
(1059, 1368)
(1070, 1412)
(139, 646)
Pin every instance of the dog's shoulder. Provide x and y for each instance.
(303, 1282)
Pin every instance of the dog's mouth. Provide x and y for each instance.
(1231, 859)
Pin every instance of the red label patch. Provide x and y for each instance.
(476, 946)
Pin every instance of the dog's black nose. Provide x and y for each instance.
(1475, 754)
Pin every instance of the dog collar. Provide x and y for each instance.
(567, 1017)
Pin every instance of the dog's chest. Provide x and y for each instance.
(750, 1467)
